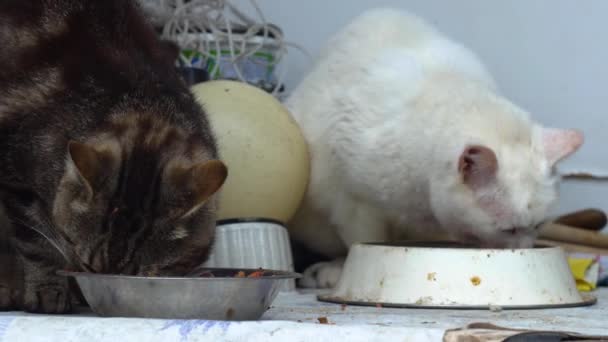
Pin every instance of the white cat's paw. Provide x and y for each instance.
(322, 274)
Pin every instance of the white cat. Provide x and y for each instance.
(407, 134)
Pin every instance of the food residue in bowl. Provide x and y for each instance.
(475, 280)
(239, 274)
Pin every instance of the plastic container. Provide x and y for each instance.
(253, 243)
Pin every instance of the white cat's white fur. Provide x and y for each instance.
(408, 134)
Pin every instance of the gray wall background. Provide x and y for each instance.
(548, 56)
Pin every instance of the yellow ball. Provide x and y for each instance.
(263, 147)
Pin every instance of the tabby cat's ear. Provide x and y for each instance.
(198, 183)
(91, 164)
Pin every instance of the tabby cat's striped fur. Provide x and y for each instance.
(107, 163)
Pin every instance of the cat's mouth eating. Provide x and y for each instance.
(470, 238)
(512, 237)
(127, 270)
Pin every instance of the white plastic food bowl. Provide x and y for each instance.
(446, 275)
(252, 243)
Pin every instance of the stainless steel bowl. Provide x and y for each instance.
(223, 297)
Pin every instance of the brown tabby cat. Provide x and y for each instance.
(107, 163)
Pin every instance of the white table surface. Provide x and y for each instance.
(293, 317)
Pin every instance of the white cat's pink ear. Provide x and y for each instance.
(478, 166)
(560, 143)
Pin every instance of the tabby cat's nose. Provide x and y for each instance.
(130, 269)
(98, 263)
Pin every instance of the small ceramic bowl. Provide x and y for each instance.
(447, 275)
(253, 243)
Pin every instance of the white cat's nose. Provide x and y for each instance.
(514, 230)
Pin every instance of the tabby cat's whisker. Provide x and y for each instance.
(52, 241)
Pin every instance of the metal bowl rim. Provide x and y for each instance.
(280, 275)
